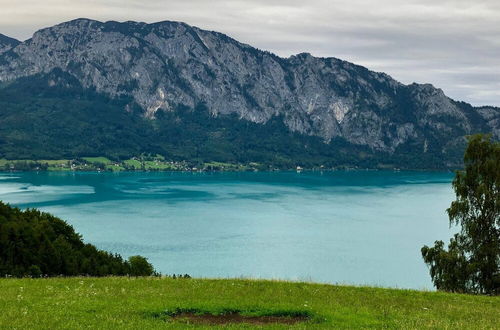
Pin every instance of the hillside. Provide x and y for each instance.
(90, 88)
(36, 244)
(7, 43)
(146, 303)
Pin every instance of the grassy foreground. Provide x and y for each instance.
(141, 303)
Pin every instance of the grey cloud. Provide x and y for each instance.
(453, 44)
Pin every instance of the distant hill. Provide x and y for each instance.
(85, 88)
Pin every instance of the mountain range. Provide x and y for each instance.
(119, 89)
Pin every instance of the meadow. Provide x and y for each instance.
(151, 303)
(140, 163)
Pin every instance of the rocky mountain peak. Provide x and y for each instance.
(167, 66)
(7, 43)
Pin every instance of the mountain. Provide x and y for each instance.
(7, 43)
(188, 93)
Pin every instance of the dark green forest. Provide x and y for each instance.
(33, 243)
(66, 121)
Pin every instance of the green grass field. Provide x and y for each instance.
(102, 160)
(133, 163)
(156, 163)
(145, 303)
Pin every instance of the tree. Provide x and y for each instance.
(34, 243)
(139, 266)
(471, 263)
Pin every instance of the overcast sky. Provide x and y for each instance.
(453, 44)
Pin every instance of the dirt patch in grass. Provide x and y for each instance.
(196, 316)
(237, 318)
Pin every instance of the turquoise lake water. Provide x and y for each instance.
(363, 228)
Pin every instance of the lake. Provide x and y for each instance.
(354, 227)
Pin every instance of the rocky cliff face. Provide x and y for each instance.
(167, 65)
(7, 43)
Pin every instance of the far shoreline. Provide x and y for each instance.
(158, 163)
(443, 171)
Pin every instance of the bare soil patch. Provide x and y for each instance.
(231, 316)
(237, 318)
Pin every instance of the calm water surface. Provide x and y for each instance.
(336, 227)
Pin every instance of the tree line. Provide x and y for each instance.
(34, 243)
